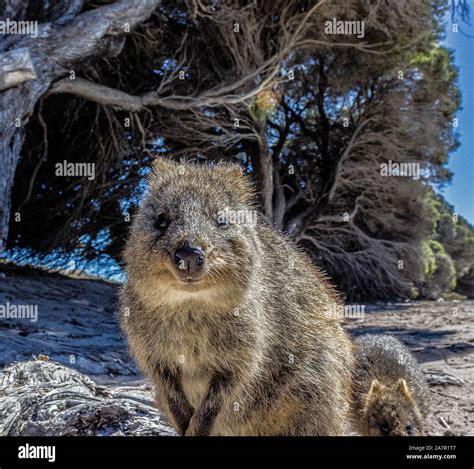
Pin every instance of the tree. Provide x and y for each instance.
(453, 238)
(312, 116)
(72, 34)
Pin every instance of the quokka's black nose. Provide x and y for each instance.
(189, 259)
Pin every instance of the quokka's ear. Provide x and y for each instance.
(375, 388)
(230, 169)
(238, 179)
(374, 394)
(402, 388)
(162, 167)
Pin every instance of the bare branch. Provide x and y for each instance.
(16, 67)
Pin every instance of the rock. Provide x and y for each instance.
(443, 379)
(44, 398)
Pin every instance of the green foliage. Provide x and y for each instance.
(429, 260)
(448, 254)
(440, 272)
(437, 61)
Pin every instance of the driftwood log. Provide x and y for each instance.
(42, 398)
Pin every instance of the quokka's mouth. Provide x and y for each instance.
(189, 280)
(185, 279)
(190, 285)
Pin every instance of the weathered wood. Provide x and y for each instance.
(16, 67)
(41, 398)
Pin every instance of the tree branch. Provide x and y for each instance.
(16, 67)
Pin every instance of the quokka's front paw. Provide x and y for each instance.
(193, 427)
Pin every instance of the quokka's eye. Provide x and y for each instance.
(409, 429)
(385, 429)
(223, 222)
(162, 222)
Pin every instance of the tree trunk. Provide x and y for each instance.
(8, 158)
(17, 105)
(263, 167)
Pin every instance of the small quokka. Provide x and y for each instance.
(227, 317)
(390, 392)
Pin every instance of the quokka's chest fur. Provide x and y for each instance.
(196, 345)
(184, 342)
(196, 342)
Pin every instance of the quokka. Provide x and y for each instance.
(390, 392)
(226, 316)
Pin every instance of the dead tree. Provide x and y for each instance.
(29, 66)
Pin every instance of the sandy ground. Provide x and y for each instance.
(77, 326)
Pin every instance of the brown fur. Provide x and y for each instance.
(390, 393)
(251, 348)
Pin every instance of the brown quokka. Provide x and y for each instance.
(390, 392)
(226, 316)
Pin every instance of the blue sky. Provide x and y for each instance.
(461, 191)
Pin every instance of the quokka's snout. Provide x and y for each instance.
(189, 262)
